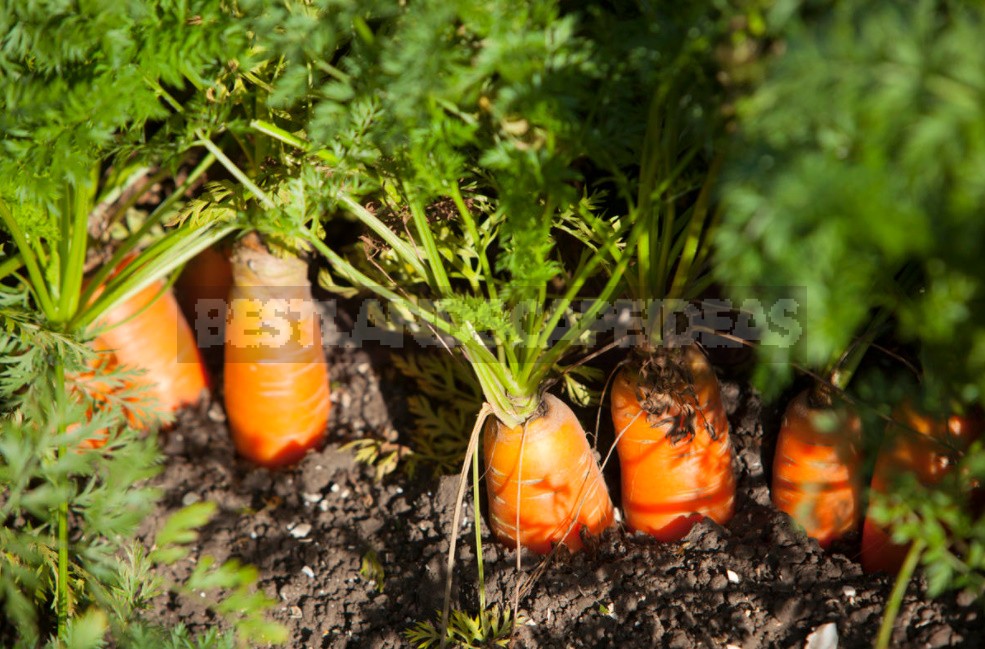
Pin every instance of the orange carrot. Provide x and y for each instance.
(276, 378)
(673, 444)
(148, 332)
(816, 468)
(545, 470)
(203, 288)
(918, 444)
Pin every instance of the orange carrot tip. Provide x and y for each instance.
(543, 481)
(276, 378)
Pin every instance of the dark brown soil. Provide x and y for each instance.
(755, 583)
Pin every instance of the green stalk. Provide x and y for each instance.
(61, 587)
(278, 133)
(11, 264)
(439, 278)
(157, 261)
(38, 283)
(389, 237)
(98, 278)
(553, 355)
(695, 228)
(73, 262)
(480, 250)
(237, 173)
(896, 596)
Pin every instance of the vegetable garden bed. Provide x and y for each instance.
(568, 205)
(311, 529)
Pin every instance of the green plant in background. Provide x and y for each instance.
(79, 98)
(842, 198)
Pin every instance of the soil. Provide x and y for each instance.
(756, 582)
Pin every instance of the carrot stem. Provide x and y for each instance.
(99, 278)
(463, 482)
(477, 523)
(38, 283)
(896, 596)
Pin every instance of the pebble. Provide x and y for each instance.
(823, 637)
(941, 638)
(312, 498)
(308, 572)
(848, 591)
(732, 576)
(216, 413)
(190, 498)
(323, 505)
(296, 612)
(966, 598)
(334, 488)
(301, 531)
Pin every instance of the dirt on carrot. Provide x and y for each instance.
(673, 441)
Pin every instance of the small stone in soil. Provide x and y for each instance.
(823, 637)
(732, 576)
(216, 413)
(308, 572)
(301, 531)
(190, 498)
(296, 612)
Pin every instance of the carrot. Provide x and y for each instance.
(543, 482)
(148, 332)
(203, 288)
(673, 444)
(816, 468)
(276, 378)
(924, 446)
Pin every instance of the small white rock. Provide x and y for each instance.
(296, 612)
(300, 531)
(344, 494)
(308, 572)
(732, 646)
(216, 413)
(732, 577)
(334, 488)
(312, 498)
(190, 498)
(823, 637)
(323, 505)
(848, 591)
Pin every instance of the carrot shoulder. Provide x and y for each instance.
(276, 377)
(674, 453)
(816, 472)
(543, 482)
